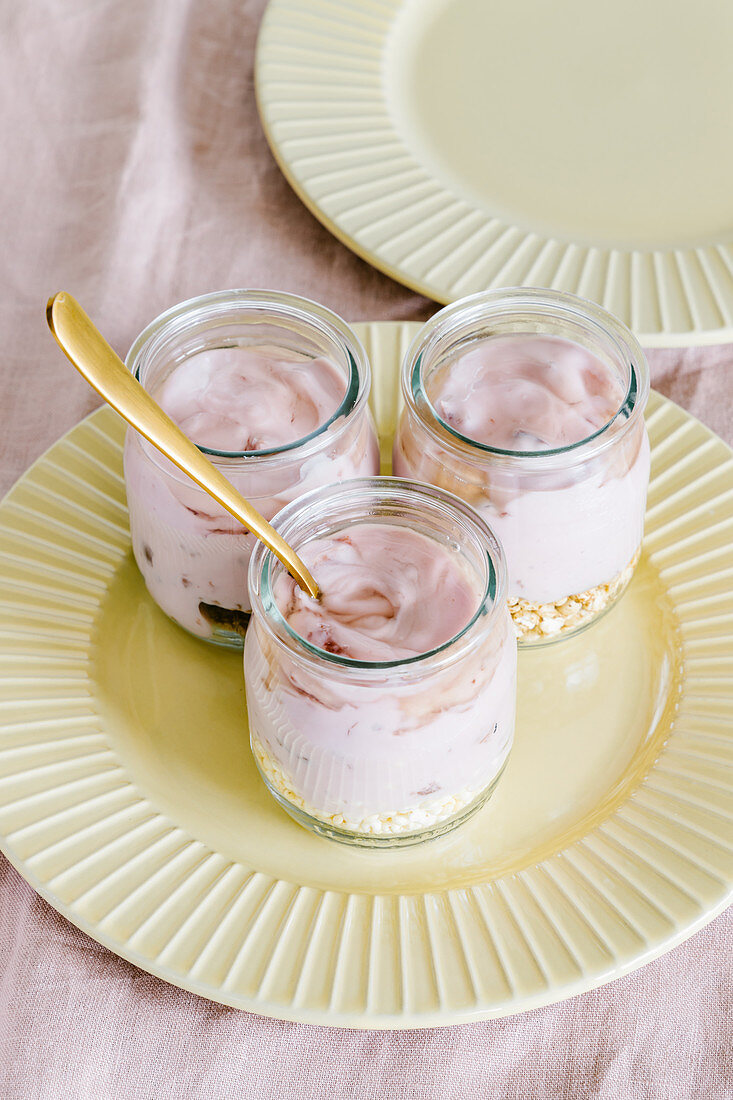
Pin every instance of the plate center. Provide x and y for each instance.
(593, 712)
(570, 120)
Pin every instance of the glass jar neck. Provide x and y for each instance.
(428, 510)
(264, 319)
(461, 327)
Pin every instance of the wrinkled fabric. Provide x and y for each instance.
(135, 174)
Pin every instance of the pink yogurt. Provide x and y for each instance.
(383, 752)
(193, 555)
(566, 524)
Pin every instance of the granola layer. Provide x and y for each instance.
(542, 621)
(427, 814)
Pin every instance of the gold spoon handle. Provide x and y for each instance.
(105, 372)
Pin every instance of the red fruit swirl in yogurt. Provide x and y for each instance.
(389, 593)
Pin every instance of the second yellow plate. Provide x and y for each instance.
(459, 145)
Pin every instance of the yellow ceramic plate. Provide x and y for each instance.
(130, 801)
(465, 144)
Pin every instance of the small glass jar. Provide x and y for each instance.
(571, 519)
(390, 752)
(192, 554)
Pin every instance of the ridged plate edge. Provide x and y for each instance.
(320, 91)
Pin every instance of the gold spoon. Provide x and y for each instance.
(105, 372)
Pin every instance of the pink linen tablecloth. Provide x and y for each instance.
(134, 174)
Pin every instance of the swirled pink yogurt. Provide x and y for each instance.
(193, 555)
(567, 525)
(385, 749)
(526, 393)
(249, 399)
(388, 593)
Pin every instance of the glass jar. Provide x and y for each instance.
(571, 519)
(193, 555)
(390, 752)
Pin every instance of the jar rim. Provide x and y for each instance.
(185, 315)
(490, 602)
(538, 302)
